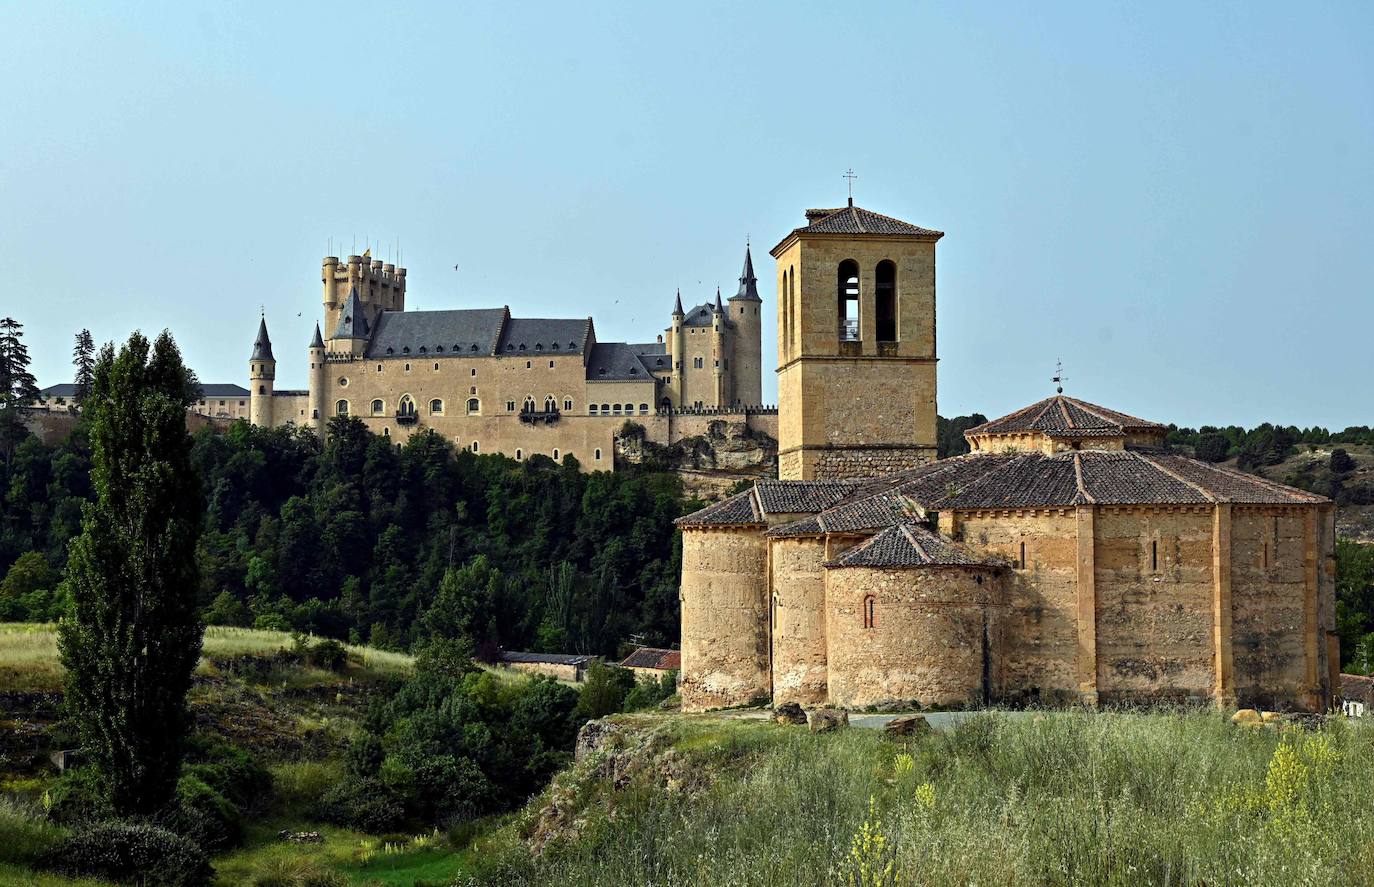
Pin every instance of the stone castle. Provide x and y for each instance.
(495, 383)
(1070, 557)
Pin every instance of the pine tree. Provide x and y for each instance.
(83, 358)
(17, 387)
(134, 634)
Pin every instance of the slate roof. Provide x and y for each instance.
(214, 389)
(701, 315)
(546, 658)
(1061, 416)
(653, 355)
(262, 345)
(61, 389)
(748, 283)
(539, 335)
(617, 362)
(653, 657)
(910, 545)
(316, 341)
(352, 320)
(470, 331)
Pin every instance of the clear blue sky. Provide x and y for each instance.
(1175, 199)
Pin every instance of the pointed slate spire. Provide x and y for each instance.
(677, 308)
(262, 345)
(719, 309)
(315, 340)
(353, 320)
(748, 283)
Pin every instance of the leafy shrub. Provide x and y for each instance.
(203, 815)
(131, 853)
(271, 622)
(1213, 448)
(1341, 462)
(604, 690)
(363, 803)
(327, 654)
(77, 796)
(650, 691)
(232, 771)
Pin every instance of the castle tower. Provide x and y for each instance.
(380, 287)
(746, 367)
(678, 350)
(262, 371)
(318, 380)
(719, 358)
(351, 333)
(856, 345)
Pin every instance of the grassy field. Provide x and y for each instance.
(29, 661)
(1061, 798)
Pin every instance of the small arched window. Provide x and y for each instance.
(378, 408)
(262, 389)
(885, 300)
(519, 455)
(436, 407)
(567, 404)
(597, 454)
(341, 408)
(474, 407)
(550, 405)
(406, 407)
(591, 409)
(644, 409)
(528, 405)
(474, 446)
(386, 432)
(869, 610)
(555, 455)
(847, 288)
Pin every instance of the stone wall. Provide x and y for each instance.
(926, 643)
(799, 642)
(1153, 572)
(725, 632)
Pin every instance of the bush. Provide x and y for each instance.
(1212, 448)
(1341, 462)
(604, 690)
(271, 622)
(204, 816)
(327, 654)
(649, 691)
(131, 853)
(24, 836)
(229, 770)
(77, 796)
(363, 803)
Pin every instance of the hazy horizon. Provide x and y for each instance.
(1171, 199)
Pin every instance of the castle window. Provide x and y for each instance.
(386, 432)
(439, 349)
(1264, 556)
(528, 406)
(715, 363)
(605, 409)
(550, 364)
(727, 363)
(424, 350)
(474, 346)
(405, 350)
(601, 371)
(665, 404)
(406, 407)
(314, 414)
(474, 446)
(390, 350)
(378, 408)
(791, 300)
(538, 346)
(262, 389)
(550, 404)
(634, 372)
(379, 366)
(555, 346)
(407, 368)
(1021, 561)
(555, 455)
(1154, 554)
(615, 408)
(472, 390)
(885, 301)
(591, 409)
(847, 286)
(529, 365)
(567, 404)
(696, 363)
(341, 408)
(518, 455)
(870, 607)
(572, 346)
(509, 347)
(629, 409)
(522, 346)
(644, 409)
(510, 406)
(436, 407)
(596, 454)
(473, 371)
(658, 362)
(436, 368)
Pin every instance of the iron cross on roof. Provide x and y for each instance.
(850, 176)
(1059, 377)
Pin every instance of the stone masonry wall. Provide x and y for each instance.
(926, 643)
(799, 643)
(1268, 601)
(1153, 570)
(724, 599)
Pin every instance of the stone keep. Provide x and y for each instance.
(856, 345)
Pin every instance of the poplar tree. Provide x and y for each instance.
(134, 634)
(83, 359)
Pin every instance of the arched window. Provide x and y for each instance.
(378, 408)
(386, 432)
(605, 408)
(550, 405)
(262, 389)
(341, 408)
(785, 306)
(644, 409)
(474, 446)
(794, 324)
(436, 407)
(518, 455)
(885, 300)
(597, 454)
(528, 406)
(847, 288)
(615, 408)
(567, 404)
(474, 407)
(555, 455)
(869, 607)
(665, 404)
(591, 409)
(406, 407)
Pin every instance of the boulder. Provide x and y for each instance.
(789, 713)
(593, 737)
(907, 725)
(1247, 717)
(823, 720)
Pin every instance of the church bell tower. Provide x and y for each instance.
(856, 345)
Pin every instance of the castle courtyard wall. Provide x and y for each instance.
(799, 615)
(725, 631)
(926, 643)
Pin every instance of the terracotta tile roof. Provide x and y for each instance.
(740, 510)
(800, 496)
(653, 657)
(1066, 416)
(1357, 688)
(909, 545)
(857, 220)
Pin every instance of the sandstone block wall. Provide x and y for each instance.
(799, 614)
(927, 641)
(1153, 571)
(1269, 597)
(725, 618)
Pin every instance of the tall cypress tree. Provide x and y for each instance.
(17, 386)
(134, 635)
(83, 359)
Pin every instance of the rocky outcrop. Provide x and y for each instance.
(905, 726)
(725, 445)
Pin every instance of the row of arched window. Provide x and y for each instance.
(406, 406)
(615, 409)
(847, 309)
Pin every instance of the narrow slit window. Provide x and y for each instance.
(1021, 561)
(1154, 554)
(869, 610)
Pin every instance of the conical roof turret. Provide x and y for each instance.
(353, 320)
(748, 283)
(719, 309)
(262, 345)
(677, 307)
(316, 341)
